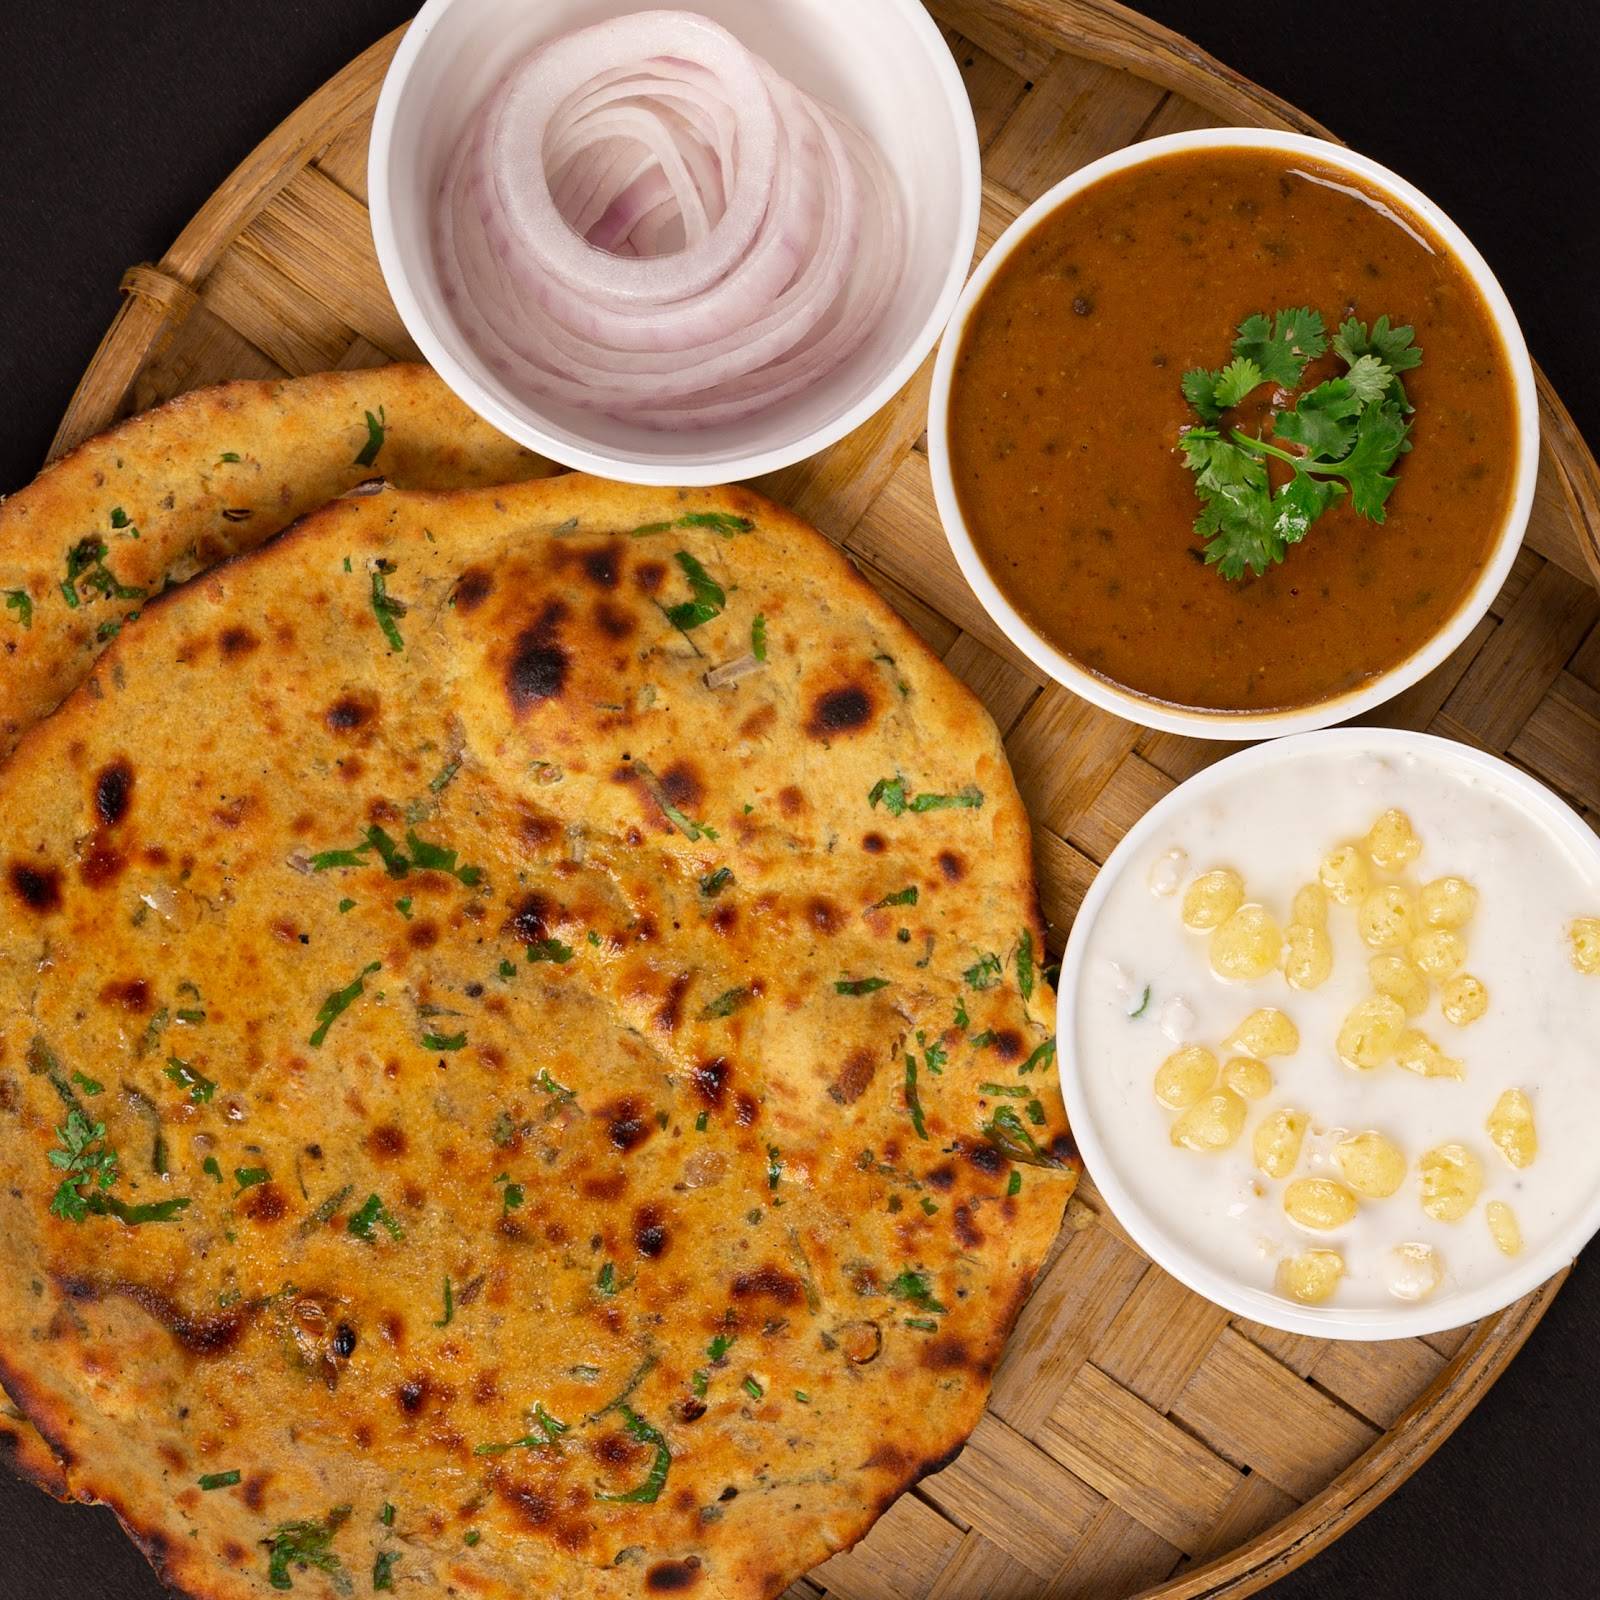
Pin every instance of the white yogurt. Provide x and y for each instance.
(1273, 821)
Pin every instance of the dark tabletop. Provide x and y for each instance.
(118, 120)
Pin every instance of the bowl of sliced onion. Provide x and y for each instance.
(674, 247)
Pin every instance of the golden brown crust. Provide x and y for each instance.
(673, 988)
(208, 475)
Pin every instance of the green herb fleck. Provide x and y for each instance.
(386, 1516)
(774, 1166)
(345, 905)
(385, 607)
(544, 1430)
(984, 973)
(90, 1086)
(324, 1213)
(449, 1305)
(709, 598)
(606, 1280)
(373, 1214)
(713, 883)
(722, 523)
(1144, 1004)
(18, 600)
(383, 1565)
(752, 1388)
(1005, 1129)
(229, 456)
(249, 1177)
(471, 1537)
(550, 950)
(443, 777)
(1025, 968)
(219, 1480)
(339, 1001)
(375, 431)
(548, 1085)
(901, 897)
(302, 1545)
(444, 1041)
(200, 1087)
(1041, 1057)
(758, 638)
(917, 1289)
(1014, 1182)
(649, 1491)
(924, 1324)
(211, 1167)
(726, 1003)
(1014, 1091)
(859, 986)
(913, 1098)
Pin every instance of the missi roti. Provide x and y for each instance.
(457, 1059)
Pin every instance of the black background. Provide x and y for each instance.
(118, 120)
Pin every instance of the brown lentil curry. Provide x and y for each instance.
(1066, 412)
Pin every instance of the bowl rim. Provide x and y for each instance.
(1240, 725)
(1259, 1305)
(524, 425)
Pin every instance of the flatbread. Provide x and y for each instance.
(217, 471)
(615, 1113)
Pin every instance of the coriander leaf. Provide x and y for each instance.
(1380, 441)
(218, 1480)
(1236, 523)
(1200, 390)
(373, 1213)
(1392, 346)
(1299, 503)
(860, 986)
(892, 793)
(1321, 421)
(441, 1041)
(303, 1544)
(1370, 378)
(758, 638)
(375, 431)
(709, 598)
(17, 600)
(969, 798)
(914, 1098)
(649, 1491)
(1007, 1130)
(1237, 380)
(550, 950)
(339, 1001)
(384, 606)
(916, 1288)
(1281, 348)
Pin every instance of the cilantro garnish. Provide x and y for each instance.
(709, 598)
(1025, 968)
(892, 794)
(722, 523)
(373, 1214)
(1005, 1129)
(649, 1491)
(921, 1324)
(90, 1086)
(545, 1430)
(548, 1085)
(550, 950)
(606, 1279)
(212, 1168)
(859, 986)
(1013, 1091)
(1342, 437)
(726, 1003)
(1014, 1182)
(89, 1162)
(444, 1041)
(713, 883)
(219, 1480)
(87, 570)
(17, 600)
(230, 456)
(915, 1288)
(249, 1177)
(984, 973)
(449, 1305)
(383, 1565)
(901, 897)
(758, 638)
(774, 1166)
(339, 1001)
(424, 857)
(386, 1516)
(913, 1099)
(443, 777)
(200, 1087)
(375, 431)
(1042, 1056)
(1144, 1004)
(303, 1544)
(384, 606)
(752, 1388)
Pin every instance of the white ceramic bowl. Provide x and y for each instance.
(1445, 1309)
(1240, 724)
(883, 63)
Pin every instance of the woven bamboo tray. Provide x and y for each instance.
(1139, 1439)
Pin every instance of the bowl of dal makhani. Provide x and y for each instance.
(1234, 433)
